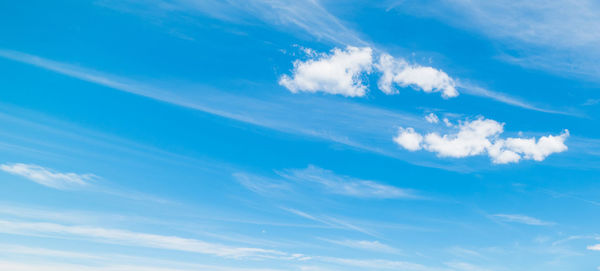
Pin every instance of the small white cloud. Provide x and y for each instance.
(48, 177)
(482, 136)
(399, 71)
(409, 139)
(432, 118)
(337, 73)
(523, 219)
(448, 123)
(594, 247)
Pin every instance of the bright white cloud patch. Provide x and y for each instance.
(340, 72)
(522, 219)
(409, 139)
(399, 71)
(482, 136)
(48, 177)
(594, 247)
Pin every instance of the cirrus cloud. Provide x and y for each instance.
(48, 177)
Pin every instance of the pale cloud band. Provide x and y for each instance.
(124, 237)
(347, 186)
(342, 71)
(482, 136)
(523, 219)
(326, 181)
(48, 177)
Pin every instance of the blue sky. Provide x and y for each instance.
(304, 135)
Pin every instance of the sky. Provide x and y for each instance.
(263, 135)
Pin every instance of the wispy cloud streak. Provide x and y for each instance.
(48, 177)
(504, 98)
(522, 219)
(344, 185)
(129, 238)
(330, 221)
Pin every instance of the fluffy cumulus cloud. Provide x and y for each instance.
(409, 139)
(342, 72)
(482, 136)
(48, 177)
(399, 71)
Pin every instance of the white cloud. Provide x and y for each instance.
(537, 150)
(409, 139)
(48, 177)
(338, 73)
(482, 136)
(345, 185)
(399, 71)
(523, 219)
(129, 238)
(448, 123)
(432, 118)
(341, 73)
(471, 139)
(594, 247)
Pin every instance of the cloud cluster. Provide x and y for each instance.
(482, 136)
(48, 177)
(342, 72)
